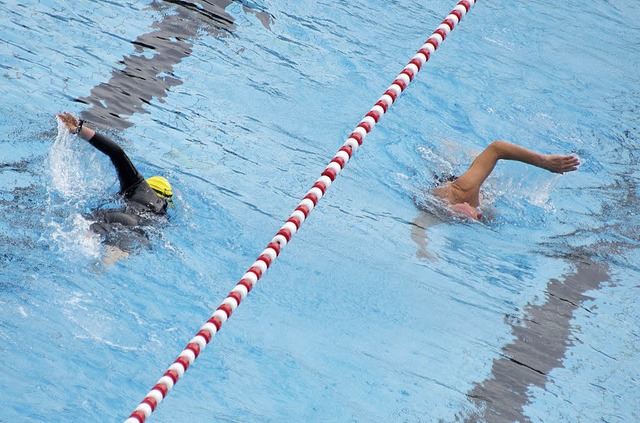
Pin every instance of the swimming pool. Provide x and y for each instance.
(364, 317)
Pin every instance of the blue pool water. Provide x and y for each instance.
(366, 316)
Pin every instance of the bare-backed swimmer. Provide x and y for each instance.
(462, 194)
(144, 199)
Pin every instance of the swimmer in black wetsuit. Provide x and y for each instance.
(144, 199)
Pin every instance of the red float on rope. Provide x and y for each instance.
(257, 269)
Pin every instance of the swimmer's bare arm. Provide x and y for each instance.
(467, 187)
(72, 122)
(550, 162)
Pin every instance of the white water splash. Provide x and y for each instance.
(73, 167)
(540, 196)
(436, 162)
(73, 235)
(76, 176)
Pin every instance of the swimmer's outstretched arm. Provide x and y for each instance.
(553, 163)
(128, 175)
(483, 165)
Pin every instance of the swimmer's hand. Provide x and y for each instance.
(70, 121)
(74, 125)
(560, 164)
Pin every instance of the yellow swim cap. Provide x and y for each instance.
(161, 186)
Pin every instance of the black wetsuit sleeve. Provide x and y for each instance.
(128, 175)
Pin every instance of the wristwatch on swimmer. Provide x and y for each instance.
(78, 128)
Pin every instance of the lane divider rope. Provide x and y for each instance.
(195, 347)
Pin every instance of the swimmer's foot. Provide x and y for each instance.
(560, 164)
